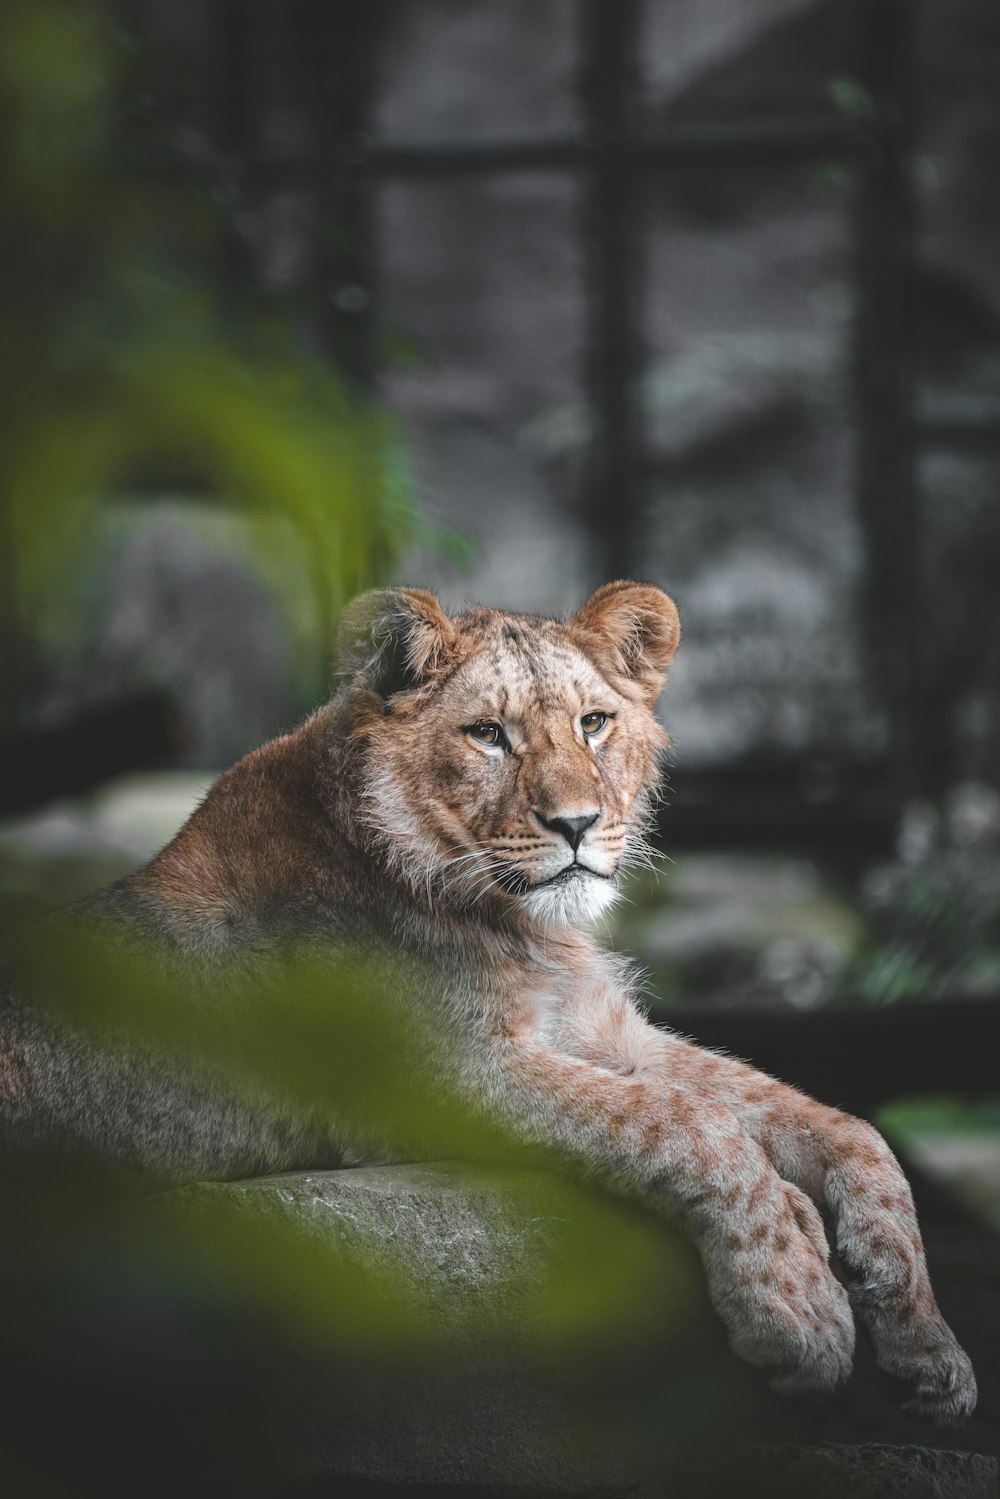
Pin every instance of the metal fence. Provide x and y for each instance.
(614, 156)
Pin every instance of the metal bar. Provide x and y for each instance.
(233, 24)
(335, 50)
(886, 485)
(684, 145)
(960, 436)
(613, 349)
(680, 146)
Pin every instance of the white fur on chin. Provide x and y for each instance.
(574, 902)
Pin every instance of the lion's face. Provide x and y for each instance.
(517, 767)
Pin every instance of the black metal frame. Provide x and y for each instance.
(614, 157)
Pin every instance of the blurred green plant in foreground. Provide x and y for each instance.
(587, 1288)
(338, 1043)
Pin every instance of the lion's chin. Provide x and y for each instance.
(570, 902)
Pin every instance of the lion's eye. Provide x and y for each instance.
(593, 723)
(486, 731)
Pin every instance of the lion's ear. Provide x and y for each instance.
(392, 639)
(632, 631)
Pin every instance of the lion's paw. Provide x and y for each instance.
(784, 1310)
(882, 1255)
(923, 1352)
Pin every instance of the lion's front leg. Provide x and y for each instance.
(849, 1171)
(760, 1238)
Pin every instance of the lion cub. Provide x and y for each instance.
(469, 797)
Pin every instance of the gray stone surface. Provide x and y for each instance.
(506, 1380)
(198, 602)
(77, 845)
(498, 1389)
(871, 1471)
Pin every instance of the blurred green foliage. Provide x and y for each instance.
(338, 1043)
(939, 1113)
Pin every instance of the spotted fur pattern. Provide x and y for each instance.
(471, 795)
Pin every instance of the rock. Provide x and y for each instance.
(488, 1382)
(76, 845)
(737, 927)
(202, 602)
(871, 1471)
(493, 1361)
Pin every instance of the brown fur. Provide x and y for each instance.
(469, 798)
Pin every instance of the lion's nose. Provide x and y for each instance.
(571, 828)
